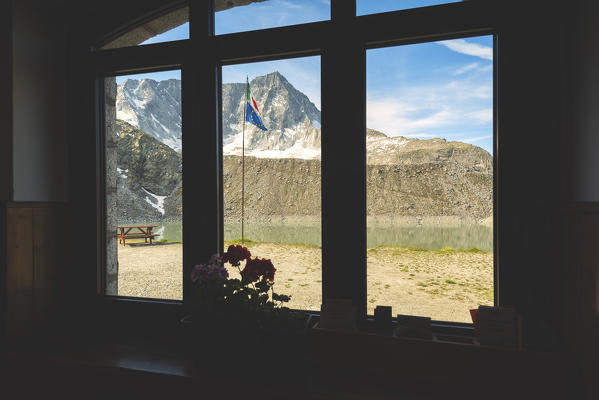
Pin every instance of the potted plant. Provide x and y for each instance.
(231, 315)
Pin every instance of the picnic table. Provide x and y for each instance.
(136, 232)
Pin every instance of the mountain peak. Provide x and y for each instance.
(272, 79)
(292, 120)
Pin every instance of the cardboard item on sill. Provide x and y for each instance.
(413, 327)
(496, 326)
(338, 315)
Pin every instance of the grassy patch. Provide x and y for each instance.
(250, 242)
(473, 250)
(450, 281)
(238, 241)
(412, 248)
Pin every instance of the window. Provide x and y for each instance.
(365, 7)
(270, 14)
(173, 25)
(143, 185)
(429, 147)
(308, 189)
(271, 176)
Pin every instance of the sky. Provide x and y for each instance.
(438, 89)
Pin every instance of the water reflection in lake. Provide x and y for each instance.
(463, 236)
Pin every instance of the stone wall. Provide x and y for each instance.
(112, 263)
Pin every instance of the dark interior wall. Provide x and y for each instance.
(530, 137)
(5, 101)
(580, 184)
(581, 105)
(527, 164)
(39, 139)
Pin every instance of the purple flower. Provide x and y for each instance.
(215, 259)
(206, 272)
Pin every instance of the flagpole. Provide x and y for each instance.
(243, 162)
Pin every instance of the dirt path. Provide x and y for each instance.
(441, 284)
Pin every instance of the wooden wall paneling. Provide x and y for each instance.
(51, 268)
(580, 273)
(3, 296)
(19, 282)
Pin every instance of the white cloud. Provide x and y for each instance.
(477, 138)
(466, 68)
(471, 49)
(398, 118)
(483, 116)
(420, 111)
(421, 135)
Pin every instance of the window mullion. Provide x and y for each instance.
(344, 164)
(201, 200)
(343, 10)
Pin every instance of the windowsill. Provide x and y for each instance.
(337, 362)
(436, 367)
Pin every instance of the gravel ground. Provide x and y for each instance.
(441, 284)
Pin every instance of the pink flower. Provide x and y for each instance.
(206, 272)
(235, 254)
(259, 267)
(215, 259)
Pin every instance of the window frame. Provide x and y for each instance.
(344, 37)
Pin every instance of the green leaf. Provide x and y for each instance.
(281, 297)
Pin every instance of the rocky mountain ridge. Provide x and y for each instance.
(150, 188)
(154, 107)
(406, 177)
(293, 121)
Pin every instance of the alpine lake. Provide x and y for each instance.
(431, 237)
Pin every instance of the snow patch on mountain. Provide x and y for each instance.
(293, 121)
(290, 143)
(122, 173)
(154, 107)
(155, 201)
(384, 144)
(130, 118)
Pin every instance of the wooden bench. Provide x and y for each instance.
(136, 232)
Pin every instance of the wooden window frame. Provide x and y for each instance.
(341, 43)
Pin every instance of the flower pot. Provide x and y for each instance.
(276, 354)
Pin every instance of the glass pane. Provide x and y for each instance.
(166, 28)
(269, 14)
(430, 177)
(144, 185)
(271, 177)
(365, 7)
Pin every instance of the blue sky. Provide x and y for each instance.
(440, 89)
(364, 7)
(303, 73)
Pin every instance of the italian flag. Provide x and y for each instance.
(250, 98)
